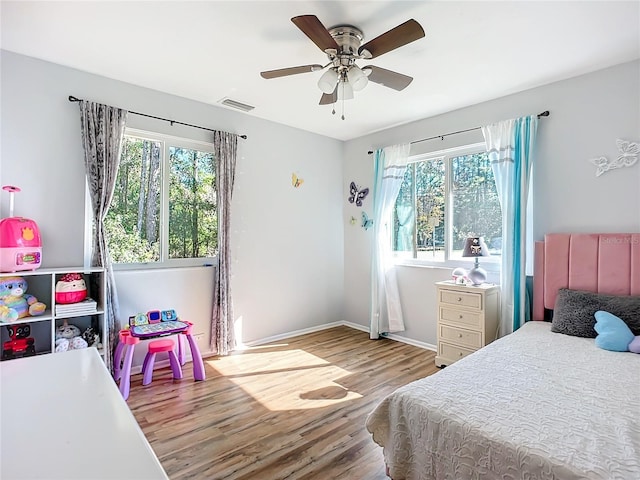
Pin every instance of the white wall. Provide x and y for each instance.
(588, 113)
(287, 244)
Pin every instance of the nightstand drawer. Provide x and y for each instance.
(453, 352)
(469, 300)
(461, 337)
(461, 317)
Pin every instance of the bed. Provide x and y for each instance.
(535, 404)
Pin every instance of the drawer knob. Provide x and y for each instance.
(460, 316)
(459, 335)
(459, 354)
(459, 299)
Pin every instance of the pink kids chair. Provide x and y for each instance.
(155, 347)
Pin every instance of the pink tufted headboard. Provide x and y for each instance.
(600, 262)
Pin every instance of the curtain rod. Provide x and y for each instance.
(543, 114)
(74, 99)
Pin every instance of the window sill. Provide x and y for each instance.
(490, 268)
(145, 267)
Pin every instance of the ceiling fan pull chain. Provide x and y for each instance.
(342, 108)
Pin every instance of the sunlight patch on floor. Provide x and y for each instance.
(285, 380)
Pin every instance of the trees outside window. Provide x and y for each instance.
(164, 207)
(446, 197)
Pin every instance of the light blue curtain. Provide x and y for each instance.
(390, 164)
(510, 146)
(406, 220)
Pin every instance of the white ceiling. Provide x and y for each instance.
(473, 51)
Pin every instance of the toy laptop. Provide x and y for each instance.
(20, 243)
(156, 323)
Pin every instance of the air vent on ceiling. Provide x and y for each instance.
(237, 105)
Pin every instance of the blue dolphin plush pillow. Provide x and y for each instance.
(613, 333)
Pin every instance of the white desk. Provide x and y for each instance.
(63, 417)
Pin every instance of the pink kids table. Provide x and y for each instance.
(131, 337)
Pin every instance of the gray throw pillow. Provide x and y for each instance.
(574, 311)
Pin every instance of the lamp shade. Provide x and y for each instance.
(475, 247)
(357, 78)
(328, 80)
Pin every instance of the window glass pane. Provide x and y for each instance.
(430, 205)
(132, 223)
(476, 207)
(193, 223)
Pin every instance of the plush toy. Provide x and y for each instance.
(13, 294)
(92, 338)
(614, 334)
(71, 288)
(68, 338)
(7, 315)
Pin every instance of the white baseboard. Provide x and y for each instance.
(356, 326)
(410, 341)
(286, 335)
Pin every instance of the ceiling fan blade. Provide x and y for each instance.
(388, 78)
(283, 72)
(401, 35)
(317, 33)
(329, 98)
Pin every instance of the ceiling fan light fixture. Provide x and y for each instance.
(345, 91)
(357, 78)
(328, 80)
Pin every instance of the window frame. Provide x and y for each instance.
(167, 142)
(490, 264)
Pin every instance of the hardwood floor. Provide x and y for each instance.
(294, 409)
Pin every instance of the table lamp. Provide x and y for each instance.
(475, 247)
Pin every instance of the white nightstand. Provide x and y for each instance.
(467, 319)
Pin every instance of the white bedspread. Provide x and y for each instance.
(532, 405)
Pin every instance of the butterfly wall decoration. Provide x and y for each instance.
(628, 157)
(296, 181)
(367, 222)
(357, 195)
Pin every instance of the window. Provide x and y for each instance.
(446, 197)
(164, 207)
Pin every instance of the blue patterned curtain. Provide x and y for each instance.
(386, 310)
(102, 129)
(510, 146)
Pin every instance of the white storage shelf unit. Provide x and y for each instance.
(41, 283)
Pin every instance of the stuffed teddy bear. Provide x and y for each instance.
(13, 294)
(68, 338)
(7, 315)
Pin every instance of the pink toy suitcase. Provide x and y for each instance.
(20, 243)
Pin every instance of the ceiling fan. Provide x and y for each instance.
(343, 46)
